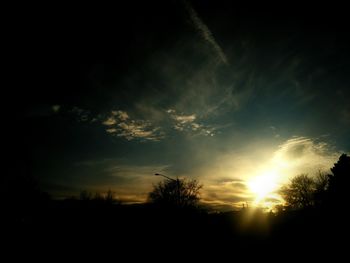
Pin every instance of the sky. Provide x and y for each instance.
(233, 96)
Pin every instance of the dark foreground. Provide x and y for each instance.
(84, 229)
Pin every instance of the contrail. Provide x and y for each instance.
(205, 32)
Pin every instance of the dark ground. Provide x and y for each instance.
(60, 228)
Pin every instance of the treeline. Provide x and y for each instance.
(320, 191)
(106, 198)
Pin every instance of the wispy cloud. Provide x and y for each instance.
(304, 155)
(205, 32)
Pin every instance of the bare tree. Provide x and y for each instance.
(321, 187)
(299, 193)
(321, 182)
(85, 195)
(110, 198)
(179, 193)
(107, 198)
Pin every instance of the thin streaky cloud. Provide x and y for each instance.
(205, 32)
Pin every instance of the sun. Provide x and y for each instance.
(263, 185)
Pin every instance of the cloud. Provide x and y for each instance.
(304, 155)
(121, 125)
(240, 186)
(225, 192)
(183, 122)
(111, 130)
(205, 33)
(186, 123)
(121, 115)
(116, 116)
(139, 130)
(109, 121)
(184, 118)
(224, 200)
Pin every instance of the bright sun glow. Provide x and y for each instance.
(263, 185)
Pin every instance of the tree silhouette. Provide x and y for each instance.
(299, 193)
(86, 196)
(107, 198)
(330, 190)
(176, 193)
(339, 181)
(321, 188)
